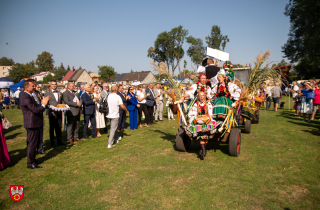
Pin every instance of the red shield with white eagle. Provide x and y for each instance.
(16, 192)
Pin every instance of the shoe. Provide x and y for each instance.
(160, 120)
(95, 137)
(34, 166)
(78, 140)
(119, 139)
(124, 129)
(43, 152)
(71, 142)
(109, 146)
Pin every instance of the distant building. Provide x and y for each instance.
(142, 76)
(95, 76)
(118, 79)
(39, 77)
(66, 78)
(4, 71)
(80, 77)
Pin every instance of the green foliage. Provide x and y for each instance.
(131, 71)
(281, 63)
(168, 47)
(184, 64)
(59, 73)
(303, 43)
(107, 73)
(45, 61)
(216, 40)
(19, 72)
(4, 61)
(68, 68)
(31, 67)
(48, 78)
(196, 50)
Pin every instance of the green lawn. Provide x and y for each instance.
(278, 168)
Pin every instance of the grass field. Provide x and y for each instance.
(278, 168)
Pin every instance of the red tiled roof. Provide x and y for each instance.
(68, 75)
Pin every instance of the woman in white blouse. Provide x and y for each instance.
(141, 96)
(100, 123)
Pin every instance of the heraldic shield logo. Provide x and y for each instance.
(16, 192)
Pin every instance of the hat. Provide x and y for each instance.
(18, 88)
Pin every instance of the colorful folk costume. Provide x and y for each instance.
(201, 126)
(224, 94)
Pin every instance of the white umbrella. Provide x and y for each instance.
(5, 82)
(136, 83)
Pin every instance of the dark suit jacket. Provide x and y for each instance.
(124, 101)
(88, 104)
(212, 71)
(32, 111)
(53, 102)
(67, 98)
(150, 98)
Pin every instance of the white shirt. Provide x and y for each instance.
(295, 88)
(194, 87)
(141, 95)
(160, 94)
(201, 70)
(16, 94)
(55, 95)
(114, 101)
(268, 91)
(5, 94)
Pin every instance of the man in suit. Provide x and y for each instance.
(150, 102)
(73, 100)
(89, 112)
(123, 116)
(37, 95)
(159, 103)
(81, 90)
(33, 120)
(104, 95)
(211, 70)
(55, 117)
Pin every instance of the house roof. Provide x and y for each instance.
(77, 74)
(41, 73)
(94, 74)
(120, 76)
(68, 75)
(139, 76)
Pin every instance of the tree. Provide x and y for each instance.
(131, 71)
(4, 61)
(68, 68)
(59, 73)
(62, 67)
(45, 61)
(282, 63)
(48, 78)
(106, 72)
(19, 72)
(80, 67)
(184, 64)
(31, 67)
(216, 40)
(196, 50)
(303, 43)
(178, 35)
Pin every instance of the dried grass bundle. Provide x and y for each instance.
(163, 70)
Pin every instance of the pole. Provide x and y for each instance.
(289, 101)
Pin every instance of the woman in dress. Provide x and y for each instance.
(316, 100)
(143, 107)
(6, 99)
(100, 123)
(4, 155)
(132, 107)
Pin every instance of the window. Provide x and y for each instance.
(4, 73)
(2, 68)
(84, 75)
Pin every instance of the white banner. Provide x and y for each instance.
(218, 54)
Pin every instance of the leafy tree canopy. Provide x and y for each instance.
(216, 40)
(19, 72)
(107, 73)
(196, 50)
(4, 61)
(303, 43)
(45, 61)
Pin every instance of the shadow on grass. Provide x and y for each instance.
(12, 136)
(195, 145)
(298, 121)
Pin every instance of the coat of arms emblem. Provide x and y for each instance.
(16, 192)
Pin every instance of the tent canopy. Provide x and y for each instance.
(5, 82)
(15, 86)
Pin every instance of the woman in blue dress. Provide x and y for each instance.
(132, 107)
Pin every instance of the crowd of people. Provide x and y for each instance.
(97, 104)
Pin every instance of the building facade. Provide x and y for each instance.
(4, 71)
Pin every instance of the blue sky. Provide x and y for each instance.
(119, 33)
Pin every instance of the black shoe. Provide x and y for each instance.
(156, 121)
(95, 137)
(43, 152)
(34, 166)
(86, 137)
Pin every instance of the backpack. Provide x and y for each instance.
(104, 108)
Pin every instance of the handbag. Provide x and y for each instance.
(104, 108)
(5, 122)
(310, 95)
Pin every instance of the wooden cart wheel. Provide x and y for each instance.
(183, 142)
(256, 118)
(247, 126)
(235, 142)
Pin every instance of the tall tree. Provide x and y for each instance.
(303, 43)
(19, 72)
(106, 72)
(68, 68)
(178, 35)
(31, 67)
(216, 40)
(45, 61)
(196, 50)
(59, 73)
(4, 61)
